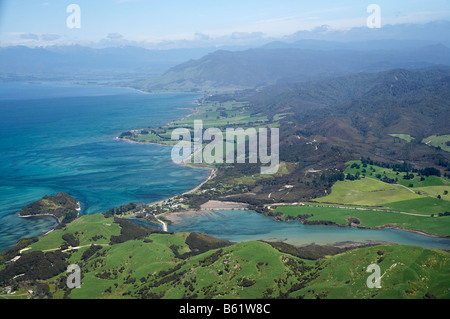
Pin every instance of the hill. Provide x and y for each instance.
(155, 265)
(227, 70)
(324, 124)
(62, 206)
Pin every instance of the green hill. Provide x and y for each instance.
(147, 263)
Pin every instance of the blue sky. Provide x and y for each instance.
(43, 22)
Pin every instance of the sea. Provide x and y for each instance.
(62, 137)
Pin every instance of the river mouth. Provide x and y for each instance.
(245, 225)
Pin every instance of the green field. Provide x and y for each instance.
(404, 137)
(367, 192)
(376, 172)
(422, 206)
(435, 191)
(213, 115)
(370, 218)
(442, 141)
(160, 265)
(85, 228)
(412, 207)
(407, 272)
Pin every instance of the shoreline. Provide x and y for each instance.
(387, 226)
(210, 176)
(419, 232)
(174, 218)
(194, 110)
(42, 215)
(52, 215)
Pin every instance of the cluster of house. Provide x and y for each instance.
(163, 207)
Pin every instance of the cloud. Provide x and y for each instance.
(50, 37)
(114, 36)
(29, 36)
(201, 37)
(246, 35)
(321, 29)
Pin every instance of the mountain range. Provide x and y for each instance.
(268, 66)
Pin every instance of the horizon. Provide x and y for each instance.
(197, 24)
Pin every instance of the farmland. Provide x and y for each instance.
(373, 203)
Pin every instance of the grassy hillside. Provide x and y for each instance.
(407, 272)
(151, 264)
(442, 142)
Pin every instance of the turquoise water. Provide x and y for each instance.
(239, 226)
(62, 138)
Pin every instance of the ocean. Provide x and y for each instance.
(59, 137)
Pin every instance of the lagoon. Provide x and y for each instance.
(240, 225)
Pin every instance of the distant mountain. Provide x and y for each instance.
(435, 31)
(269, 66)
(377, 45)
(78, 62)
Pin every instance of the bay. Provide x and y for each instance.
(57, 137)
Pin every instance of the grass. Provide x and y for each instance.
(409, 208)
(442, 141)
(423, 205)
(251, 180)
(220, 279)
(149, 268)
(373, 219)
(213, 115)
(404, 137)
(435, 191)
(367, 192)
(137, 257)
(373, 171)
(85, 228)
(407, 273)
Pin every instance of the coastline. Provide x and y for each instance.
(387, 226)
(419, 232)
(210, 176)
(194, 110)
(41, 215)
(78, 209)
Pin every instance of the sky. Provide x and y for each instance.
(158, 22)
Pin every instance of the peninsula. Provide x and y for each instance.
(62, 206)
